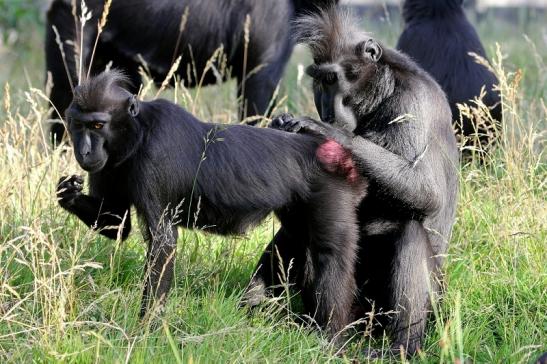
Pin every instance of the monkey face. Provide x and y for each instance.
(98, 129)
(325, 87)
(88, 132)
(339, 87)
(331, 100)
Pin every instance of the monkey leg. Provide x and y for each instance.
(272, 274)
(160, 261)
(413, 281)
(329, 286)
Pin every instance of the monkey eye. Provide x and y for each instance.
(96, 125)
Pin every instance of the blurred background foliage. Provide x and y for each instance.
(18, 13)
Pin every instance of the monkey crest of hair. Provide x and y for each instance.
(107, 88)
(329, 34)
(336, 159)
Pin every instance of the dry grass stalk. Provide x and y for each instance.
(84, 17)
(217, 54)
(7, 100)
(182, 26)
(147, 81)
(403, 118)
(246, 40)
(170, 74)
(75, 42)
(100, 26)
(63, 56)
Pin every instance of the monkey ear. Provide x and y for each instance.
(133, 106)
(371, 49)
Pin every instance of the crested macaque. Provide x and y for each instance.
(396, 121)
(150, 155)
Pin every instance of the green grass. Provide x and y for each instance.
(68, 295)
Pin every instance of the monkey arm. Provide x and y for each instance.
(410, 182)
(304, 124)
(99, 214)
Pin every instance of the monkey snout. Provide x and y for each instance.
(90, 161)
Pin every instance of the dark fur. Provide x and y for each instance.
(361, 90)
(150, 28)
(438, 36)
(154, 161)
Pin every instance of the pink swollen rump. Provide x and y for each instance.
(336, 159)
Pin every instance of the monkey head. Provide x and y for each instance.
(351, 76)
(101, 122)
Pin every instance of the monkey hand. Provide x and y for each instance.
(283, 122)
(287, 122)
(69, 189)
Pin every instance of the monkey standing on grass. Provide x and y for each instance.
(150, 155)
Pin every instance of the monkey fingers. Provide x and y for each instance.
(68, 189)
(281, 121)
(312, 126)
(74, 179)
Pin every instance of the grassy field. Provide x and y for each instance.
(69, 295)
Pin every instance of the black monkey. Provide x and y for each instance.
(396, 121)
(439, 37)
(176, 170)
(148, 30)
